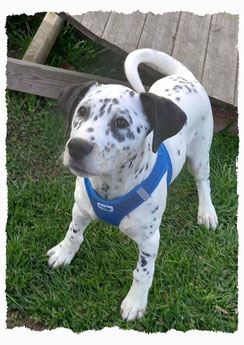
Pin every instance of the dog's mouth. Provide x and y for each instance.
(80, 171)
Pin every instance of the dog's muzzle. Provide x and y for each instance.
(79, 148)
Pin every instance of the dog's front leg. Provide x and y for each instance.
(63, 253)
(135, 303)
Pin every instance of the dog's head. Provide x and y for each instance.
(109, 123)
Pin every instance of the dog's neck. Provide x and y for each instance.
(128, 176)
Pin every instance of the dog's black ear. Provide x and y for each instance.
(69, 98)
(165, 117)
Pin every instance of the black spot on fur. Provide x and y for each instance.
(109, 108)
(178, 152)
(177, 88)
(118, 136)
(155, 209)
(115, 101)
(183, 79)
(141, 170)
(138, 130)
(130, 119)
(143, 261)
(102, 110)
(105, 187)
(188, 88)
(90, 129)
(146, 254)
(130, 134)
(77, 124)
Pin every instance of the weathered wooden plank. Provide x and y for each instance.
(44, 80)
(159, 31)
(44, 38)
(123, 31)
(94, 21)
(191, 41)
(219, 77)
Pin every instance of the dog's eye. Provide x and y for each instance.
(121, 123)
(82, 111)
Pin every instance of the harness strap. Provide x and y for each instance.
(113, 211)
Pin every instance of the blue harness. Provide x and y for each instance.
(113, 211)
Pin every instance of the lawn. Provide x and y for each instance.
(195, 283)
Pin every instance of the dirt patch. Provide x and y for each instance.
(225, 118)
(14, 319)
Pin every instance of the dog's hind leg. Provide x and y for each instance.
(63, 253)
(198, 164)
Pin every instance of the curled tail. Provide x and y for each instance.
(166, 63)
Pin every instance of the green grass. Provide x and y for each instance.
(196, 269)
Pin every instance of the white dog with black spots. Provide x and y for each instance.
(115, 133)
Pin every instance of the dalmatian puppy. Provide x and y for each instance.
(115, 135)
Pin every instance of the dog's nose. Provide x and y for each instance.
(78, 148)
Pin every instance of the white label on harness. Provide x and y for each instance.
(105, 207)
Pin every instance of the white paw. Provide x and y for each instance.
(208, 218)
(61, 254)
(133, 307)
